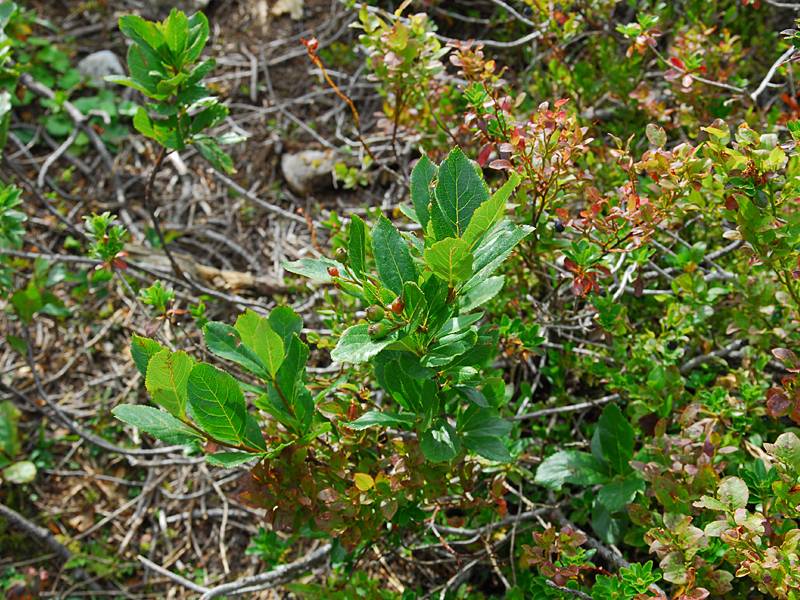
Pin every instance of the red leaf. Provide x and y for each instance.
(677, 62)
(786, 357)
(484, 154)
(778, 402)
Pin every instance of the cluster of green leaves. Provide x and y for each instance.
(425, 343)
(163, 64)
(203, 403)
(607, 466)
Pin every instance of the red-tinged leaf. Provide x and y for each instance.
(570, 265)
(118, 263)
(787, 358)
(674, 60)
(501, 164)
(778, 403)
(483, 155)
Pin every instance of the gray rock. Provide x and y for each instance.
(308, 170)
(99, 64)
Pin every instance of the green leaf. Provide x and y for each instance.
(617, 494)
(167, 374)
(287, 399)
(733, 492)
(460, 190)
(228, 460)
(226, 342)
(216, 404)
(608, 528)
(491, 211)
(494, 248)
(481, 293)
(141, 31)
(316, 269)
(285, 322)
(656, 135)
(357, 245)
(356, 345)
(142, 350)
(158, 423)
(569, 466)
(198, 36)
(450, 260)
(20, 472)
(615, 438)
(395, 265)
(215, 155)
(421, 178)
(440, 443)
(9, 435)
(176, 32)
(374, 418)
(257, 334)
(484, 433)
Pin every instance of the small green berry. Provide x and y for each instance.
(375, 313)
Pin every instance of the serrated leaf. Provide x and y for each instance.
(459, 191)
(285, 322)
(392, 256)
(356, 345)
(450, 260)
(494, 248)
(158, 423)
(167, 374)
(142, 350)
(216, 404)
(481, 293)
(422, 176)
(257, 334)
(491, 211)
(315, 269)
(357, 245)
(374, 418)
(226, 342)
(229, 460)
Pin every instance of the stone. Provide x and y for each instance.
(308, 170)
(99, 64)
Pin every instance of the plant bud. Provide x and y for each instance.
(333, 271)
(340, 254)
(375, 313)
(398, 305)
